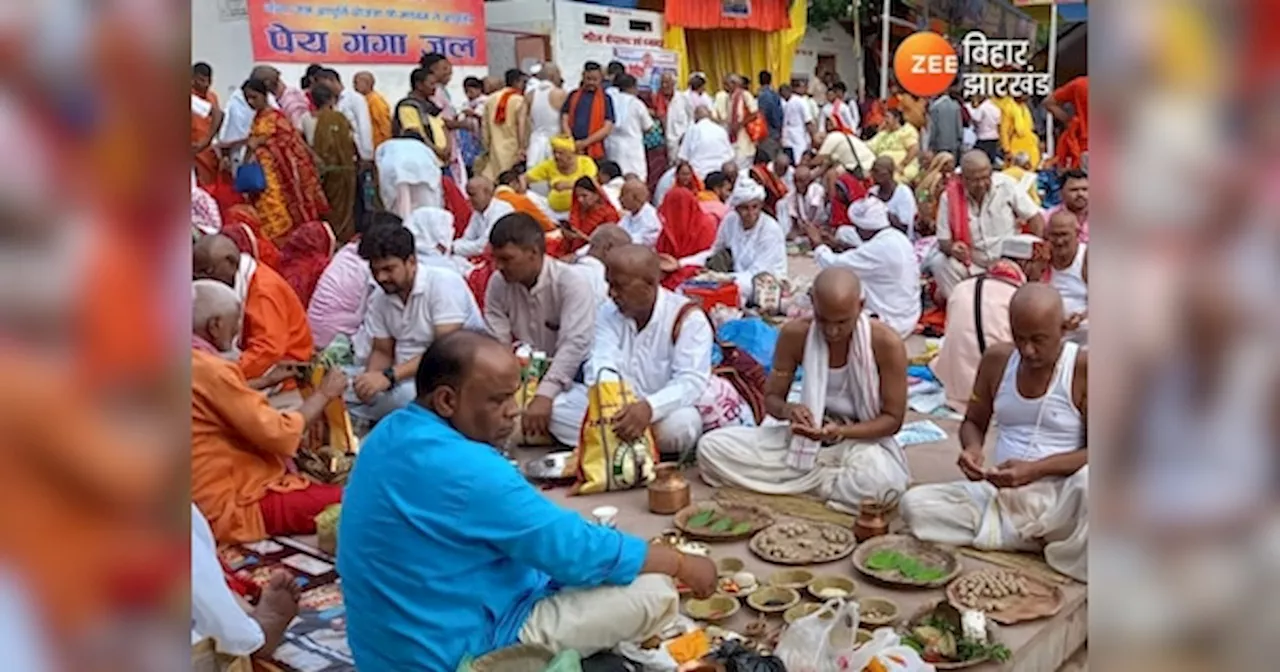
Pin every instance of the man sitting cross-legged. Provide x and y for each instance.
(660, 346)
(479, 559)
(840, 442)
(1035, 497)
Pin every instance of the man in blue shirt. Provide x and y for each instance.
(587, 115)
(770, 104)
(448, 553)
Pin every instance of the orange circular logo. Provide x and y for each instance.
(925, 64)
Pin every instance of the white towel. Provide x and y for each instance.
(813, 394)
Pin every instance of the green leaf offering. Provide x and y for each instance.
(722, 525)
(882, 560)
(702, 518)
(741, 528)
(909, 567)
(929, 574)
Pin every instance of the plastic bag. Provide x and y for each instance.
(884, 653)
(606, 463)
(806, 646)
(737, 658)
(751, 335)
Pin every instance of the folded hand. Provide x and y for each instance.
(631, 422)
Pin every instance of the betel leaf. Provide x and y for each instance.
(881, 560)
(929, 574)
(702, 518)
(722, 525)
(742, 528)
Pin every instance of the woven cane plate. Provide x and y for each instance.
(715, 521)
(802, 543)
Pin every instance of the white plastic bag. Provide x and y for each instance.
(808, 646)
(886, 648)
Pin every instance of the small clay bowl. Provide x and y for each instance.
(804, 609)
(880, 604)
(729, 566)
(772, 599)
(816, 586)
(713, 609)
(791, 578)
(860, 636)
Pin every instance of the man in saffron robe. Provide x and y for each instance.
(240, 444)
(587, 115)
(1073, 144)
(379, 110)
(206, 119)
(504, 132)
(275, 327)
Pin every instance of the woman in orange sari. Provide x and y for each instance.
(293, 195)
(686, 231)
(590, 209)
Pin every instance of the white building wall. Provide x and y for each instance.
(832, 40)
(579, 38)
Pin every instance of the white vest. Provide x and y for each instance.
(1033, 429)
(1071, 285)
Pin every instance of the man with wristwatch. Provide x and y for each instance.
(417, 305)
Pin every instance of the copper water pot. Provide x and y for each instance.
(872, 518)
(669, 491)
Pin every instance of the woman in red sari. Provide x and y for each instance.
(293, 195)
(590, 209)
(686, 230)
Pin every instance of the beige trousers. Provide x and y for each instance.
(598, 619)
(948, 273)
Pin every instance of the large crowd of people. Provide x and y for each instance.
(421, 242)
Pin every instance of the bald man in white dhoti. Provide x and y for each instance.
(1035, 498)
(706, 145)
(753, 237)
(839, 441)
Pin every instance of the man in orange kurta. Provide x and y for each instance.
(1073, 144)
(275, 326)
(241, 446)
(379, 111)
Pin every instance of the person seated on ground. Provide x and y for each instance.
(775, 188)
(216, 612)
(846, 150)
(753, 239)
(1075, 199)
(1020, 169)
(705, 145)
(807, 204)
(840, 442)
(432, 230)
(417, 304)
(605, 239)
(486, 210)
(409, 175)
(731, 172)
(1069, 271)
(560, 173)
(899, 142)
(591, 208)
(543, 302)
(975, 215)
(1035, 497)
(719, 188)
(514, 190)
(978, 314)
(898, 198)
(661, 349)
(611, 181)
(931, 186)
(434, 576)
(688, 232)
(275, 327)
(639, 217)
(885, 263)
(240, 444)
(843, 190)
(341, 296)
(782, 167)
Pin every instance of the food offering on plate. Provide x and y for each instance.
(773, 599)
(729, 566)
(1005, 596)
(947, 639)
(877, 611)
(712, 609)
(740, 584)
(714, 521)
(802, 543)
(905, 561)
(669, 537)
(832, 588)
(694, 548)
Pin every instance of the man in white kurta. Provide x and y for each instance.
(838, 115)
(808, 201)
(838, 442)
(733, 105)
(885, 263)
(1035, 497)
(604, 239)
(432, 230)
(639, 217)
(625, 145)
(899, 200)
(756, 240)
(485, 212)
(797, 124)
(706, 145)
(660, 347)
(680, 112)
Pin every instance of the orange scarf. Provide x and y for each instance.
(958, 212)
(735, 114)
(595, 120)
(523, 203)
(836, 121)
(500, 117)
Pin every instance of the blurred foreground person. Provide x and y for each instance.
(471, 577)
(1035, 497)
(839, 441)
(240, 444)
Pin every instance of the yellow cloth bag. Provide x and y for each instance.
(330, 446)
(524, 396)
(606, 463)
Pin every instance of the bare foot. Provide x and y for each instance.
(277, 607)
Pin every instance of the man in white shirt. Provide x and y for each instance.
(417, 305)
(898, 198)
(661, 348)
(756, 240)
(625, 145)
(485, 212)
(216, 613)
(706, 145)
(798, 124)
(680, 112)
(355, 108)
(885, 262)
(808, 201)
(604, 239)
(838, 115)
(986, 127)
(848, 151)
(639, 217)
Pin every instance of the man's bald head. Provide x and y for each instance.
(633, 276)
(470, 379)
(701, 113)
(480, 192)
(364, 82)
(550, 72)
(605, 238)
(975, 172)
(1036, 318)
(215, 313)
(635, 194)
(730, 170)
(215, 257)
(268, 75)
(837, 302)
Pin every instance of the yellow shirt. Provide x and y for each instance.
(411, 119)
(561, 199)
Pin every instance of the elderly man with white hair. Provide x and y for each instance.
(706, 145)
(756, 241)
(884, 260)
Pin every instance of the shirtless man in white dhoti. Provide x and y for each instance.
(839, 443)
(1035, 497)
(660, 345)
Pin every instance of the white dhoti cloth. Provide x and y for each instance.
(676, 434)
(948, 273)
(1051, 514)
(598, 619)
(755, 459)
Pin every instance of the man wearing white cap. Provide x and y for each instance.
(706, 145)
(754, 238)
(885, 262)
